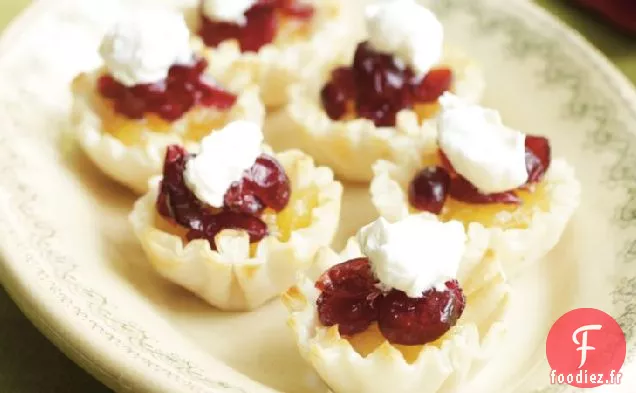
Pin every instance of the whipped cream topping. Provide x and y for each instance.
(225, 155)
(231, 11)
(415, 254)
(408, 31)
(488, 154)
(141, 48)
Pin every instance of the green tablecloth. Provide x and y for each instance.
(30, 364)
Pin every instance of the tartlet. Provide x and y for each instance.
(281, 43)
(368, 362)
(128, 143)
(524, 223)
(346, 126)
(230, 268)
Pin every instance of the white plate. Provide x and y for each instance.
(71, 262)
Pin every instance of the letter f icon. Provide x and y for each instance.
(583, 344)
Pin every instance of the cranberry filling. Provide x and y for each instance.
(351, 299)
(407, 321)
(379, 87)
(262, 22)
(185, 87)
(538, 157)
(348, 297)
(265, 184)
(430, 187)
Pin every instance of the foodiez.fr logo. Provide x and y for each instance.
(586, 348)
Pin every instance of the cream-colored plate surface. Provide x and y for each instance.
(71, 261)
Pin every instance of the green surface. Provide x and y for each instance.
(30, 364)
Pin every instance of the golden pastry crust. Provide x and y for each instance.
(430, 368)
(350, 147)
(134, 164)
(236, 277)
(332, 34)
(515, 246)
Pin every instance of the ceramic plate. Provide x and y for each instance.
(72, 263)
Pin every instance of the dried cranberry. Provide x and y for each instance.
(209, 95)
(336, 94)
(351, 299)
(352, 277)
(212, 224)
(265, 184)
(433, 85)
(260, 27)
(417, 321)
(538, 157)
(352, 313)
(177, 203)
(349, 296)
(462, 190)
(429, 188)
(185, 87)
(381, 87)
(240, 199)
(269, 182)
(109, 88)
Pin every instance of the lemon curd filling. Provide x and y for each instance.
(500, 215)
(193, 126)
(368, 341)
(297, 214)
(292, 30)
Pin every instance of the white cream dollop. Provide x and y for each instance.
(225, 155)
(414, 254)
(488, 154)
(408, 31)
(232, 11)
(142, 47)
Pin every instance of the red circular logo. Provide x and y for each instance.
(586, 348)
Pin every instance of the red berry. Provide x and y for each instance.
(260, 28)
(269, 182)
(538, 157)
(265, 184)
(351, 277)
(349, 296)
(418, 321)
(185, 87)
(108, 87)
(176, 202)
(212, 224)
(352, 313)
(241, 200)
(434, 84)
(381, 87)
(429, 189)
